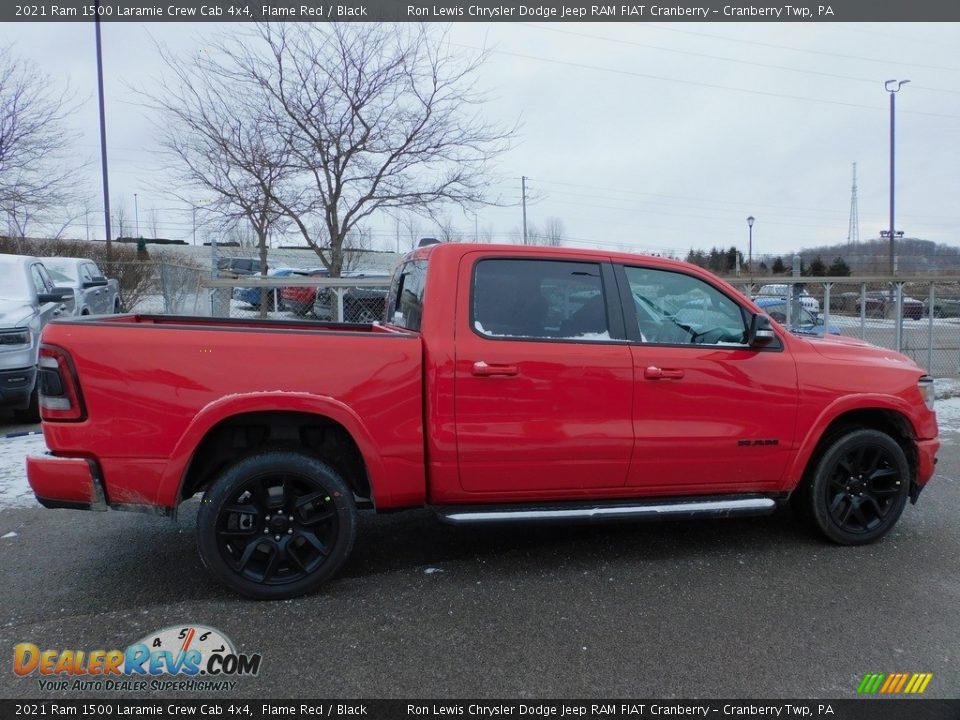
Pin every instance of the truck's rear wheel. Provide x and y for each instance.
(276, 525)
(859, 488)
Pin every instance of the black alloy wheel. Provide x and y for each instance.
(859, 487)
(276, 525)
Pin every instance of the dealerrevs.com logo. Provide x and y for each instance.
(180, 657)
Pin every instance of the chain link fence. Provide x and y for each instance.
(919, 317)
(359, 299)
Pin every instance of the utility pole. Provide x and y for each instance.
(136, 214)
(193, 213)
(523, 184)
(103, 136)
(888, 86)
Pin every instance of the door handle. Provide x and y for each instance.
(655, 373)
(481, 369)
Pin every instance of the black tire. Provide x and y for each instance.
(859, 487)
(116, 306)
(276, 525)
(31, 413)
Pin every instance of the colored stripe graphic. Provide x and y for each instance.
(894, 683)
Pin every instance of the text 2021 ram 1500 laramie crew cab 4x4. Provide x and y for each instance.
(504, 384)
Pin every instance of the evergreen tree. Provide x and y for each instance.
(818, 268)
(839, 268)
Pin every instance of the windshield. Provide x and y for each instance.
(13, 284)
(59, 278)
(60, 269)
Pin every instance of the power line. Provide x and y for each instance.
(696, 83)
(725, 59)
(777, 46)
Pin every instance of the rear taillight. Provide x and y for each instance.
(60, 397)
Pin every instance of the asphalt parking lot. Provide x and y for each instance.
(737, 608)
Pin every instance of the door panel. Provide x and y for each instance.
(543, 390)
(710, 413)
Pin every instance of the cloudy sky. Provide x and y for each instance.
(654, 137)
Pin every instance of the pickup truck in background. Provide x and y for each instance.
(504, 384)
(93, 293)
(29, 299)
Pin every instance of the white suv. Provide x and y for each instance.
(782, 290)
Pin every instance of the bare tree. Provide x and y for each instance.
(36, 179)
(411, 232)
(118, 221)
(446, 231)
(553, 233)
(153, 222)
(220, 139)
(355, 120)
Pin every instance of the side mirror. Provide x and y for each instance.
(820, 321)
(57, 295)
(760, 333)
(95, 282)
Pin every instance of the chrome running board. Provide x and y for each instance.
(661, 509)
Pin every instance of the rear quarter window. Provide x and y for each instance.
(405, 301)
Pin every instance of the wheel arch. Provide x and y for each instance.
(886, 415)
(236, 426)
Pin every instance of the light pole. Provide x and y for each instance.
(750, 249)
(892, 87)
(103, 138)
(136, 214)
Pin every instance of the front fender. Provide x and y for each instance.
(268, 401)
(838, 408)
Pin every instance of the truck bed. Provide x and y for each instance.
(154, 386)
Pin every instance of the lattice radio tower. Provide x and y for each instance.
(853, 230)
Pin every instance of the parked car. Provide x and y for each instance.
(299, 299)
(28, 301)
(509, 384)
(782, 290)
(93, 293)
(253, 295)
(806, 324)
(880, 304)
(237, 266)
(943, 307)
(360, 304)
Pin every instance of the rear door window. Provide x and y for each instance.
(539, 299)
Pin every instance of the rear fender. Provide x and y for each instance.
(268, 401)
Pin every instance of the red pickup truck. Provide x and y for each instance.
(505, 384)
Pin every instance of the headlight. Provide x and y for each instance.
(14, 338)
(925, 386)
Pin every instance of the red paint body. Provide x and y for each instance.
(567, 420)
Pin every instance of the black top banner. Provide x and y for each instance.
(475, 11)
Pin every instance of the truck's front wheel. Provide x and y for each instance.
(276, 525)
(859, 488)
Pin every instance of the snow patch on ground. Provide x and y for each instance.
(948, 415)
(946, 388)
(14, 490)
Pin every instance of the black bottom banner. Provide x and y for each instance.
(848, 709)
